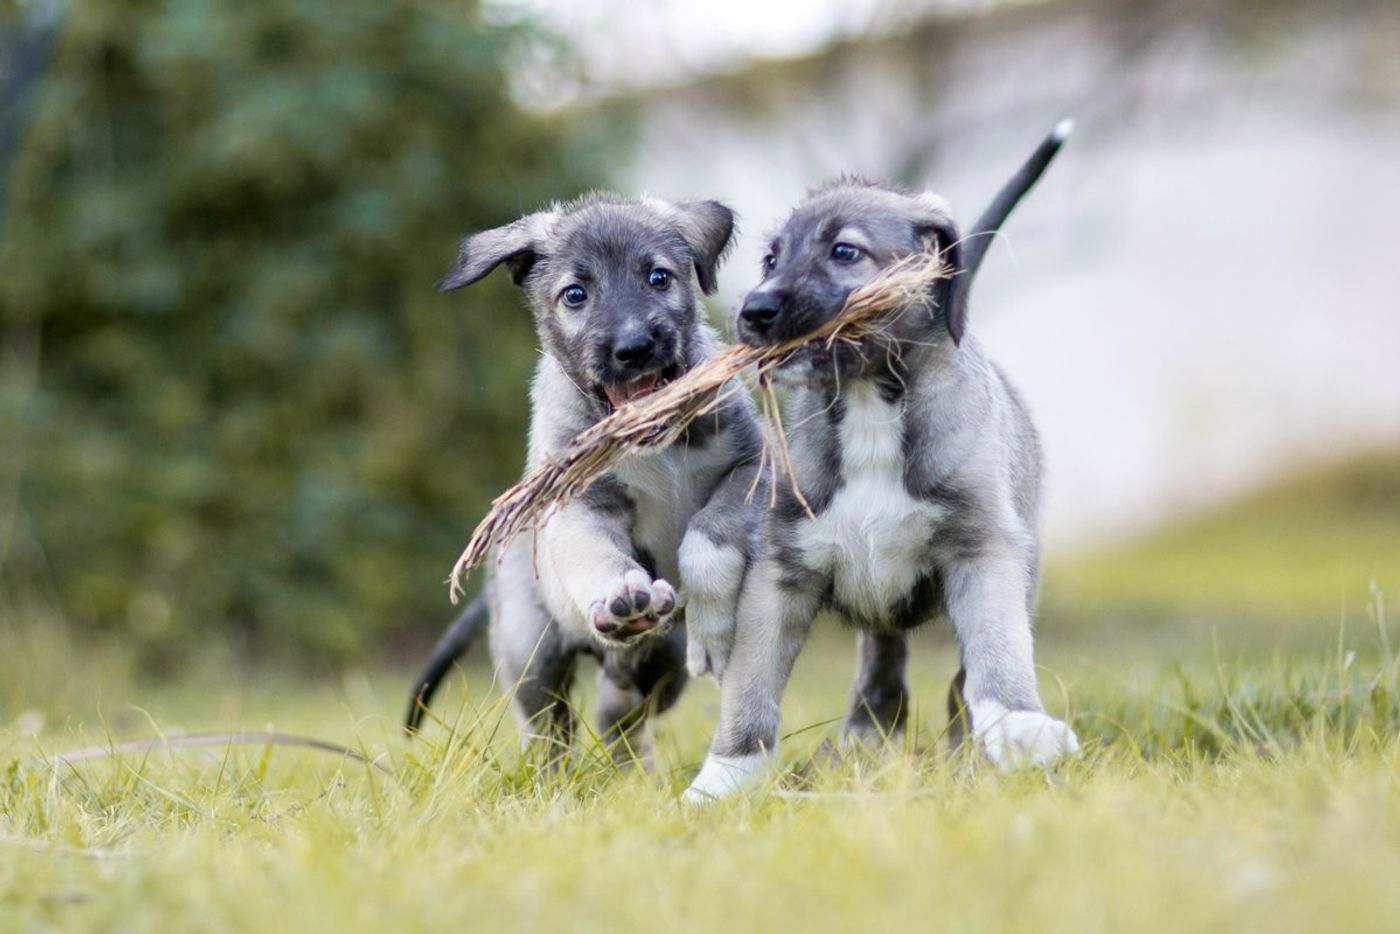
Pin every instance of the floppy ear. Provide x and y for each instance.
(949, 293)
(708, 227)
(516, 244)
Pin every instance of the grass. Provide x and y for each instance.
(1296, 554)
(1211, 796)
(1233, 778)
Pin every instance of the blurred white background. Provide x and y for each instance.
(1202, 293)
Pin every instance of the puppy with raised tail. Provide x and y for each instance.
(922, 470)
(609, 282)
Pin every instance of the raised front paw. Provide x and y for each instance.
(711, 575)
(706, 649)
(632, 607)
(709, 635)
(1017, 739)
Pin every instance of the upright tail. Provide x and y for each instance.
(973, 246)
(458, 638)
(979, 240)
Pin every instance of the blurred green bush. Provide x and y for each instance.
(250, 411)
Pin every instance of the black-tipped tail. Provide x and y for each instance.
(458, 638)
(981, 237)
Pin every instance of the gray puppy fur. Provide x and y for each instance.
(923, 470)
(608, 282)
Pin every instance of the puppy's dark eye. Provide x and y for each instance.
(574, 296)
(845, 253)
(769, 261)
(659, 278)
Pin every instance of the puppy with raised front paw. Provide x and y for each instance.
(609, 282)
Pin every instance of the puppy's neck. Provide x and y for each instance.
(928, 358)
(560, 407)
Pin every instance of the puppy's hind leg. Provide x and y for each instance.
(541, 699)
(536, 667)
(633, 685)
(957, 711)
(879, 703)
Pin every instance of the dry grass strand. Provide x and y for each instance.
(661, 418)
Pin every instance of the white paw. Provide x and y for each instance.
(721, 776)
(631, 607)
(1017, 739)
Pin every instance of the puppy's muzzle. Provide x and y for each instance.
(636, 363)
(635, 353)
(759, 314)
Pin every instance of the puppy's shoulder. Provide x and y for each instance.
(558, 411)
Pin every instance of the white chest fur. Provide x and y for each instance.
(872, 538)
(665, 487)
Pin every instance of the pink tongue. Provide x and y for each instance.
(618, 395)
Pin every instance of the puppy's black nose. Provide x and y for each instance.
(634, 351)
(761, 310)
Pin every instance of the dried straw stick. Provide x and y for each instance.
(660, 418)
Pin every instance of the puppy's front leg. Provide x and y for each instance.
(593, 582)
(987, 599)
(714, 557)
(775, 616)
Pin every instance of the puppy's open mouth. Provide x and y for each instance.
(619, 394)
